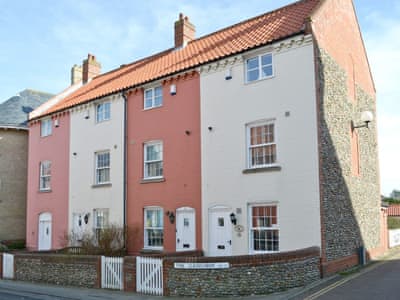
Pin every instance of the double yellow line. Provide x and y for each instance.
(351, 277)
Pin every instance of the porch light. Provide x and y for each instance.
(233, 218)
(366, 118)
(171, 216)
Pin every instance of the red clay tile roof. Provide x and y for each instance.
(394, 210)
(283, 22)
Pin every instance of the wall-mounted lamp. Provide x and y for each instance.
(86, 218)
(171, 216)
(87, 116)
(172, 89)
(228, 74)
(210, 128)
(56, 123)
(366, 118)
(233, 218)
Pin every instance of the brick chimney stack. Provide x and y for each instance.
(184, 31)
(91, 68)
(76, 74)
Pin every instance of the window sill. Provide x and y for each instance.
(262, 170)
(152, 107)
(45, 191)
(102, 121)
(258, 80)
(151, 180)
(156, 250)
(99, 185)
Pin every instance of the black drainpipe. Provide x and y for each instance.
(125, 180)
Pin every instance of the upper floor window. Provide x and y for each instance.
(261, 145)
(153, 160)
(153, 227)
(102, 167)
(45, 176)
(103, 112)
(45, 127)
(153, 97)
(259, 67)
(264, 231)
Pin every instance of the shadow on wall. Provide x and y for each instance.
(350, 205)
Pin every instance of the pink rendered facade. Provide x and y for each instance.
(50, 204)
(176, 124)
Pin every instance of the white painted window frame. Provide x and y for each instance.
(43, 177)
(97, 168)
(46, 127)
(146, 227)
(273, 227)
(249, 146)
(259, 67)
(103, 111)
(146, 162)
(153, 104)
(104, 214)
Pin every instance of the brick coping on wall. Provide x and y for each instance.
(251, 260)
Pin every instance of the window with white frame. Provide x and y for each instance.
(102, 167)
(261, 144)
(103, 112)
(259, 67)
(264, 231)
(153, 227)
(45, 176)
(100, 221)
(153, 97)
(45, 127)
(100, 218)
(153, 160)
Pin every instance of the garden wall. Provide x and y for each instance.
(68, 270)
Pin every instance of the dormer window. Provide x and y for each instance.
(259, 67)
(153, 97)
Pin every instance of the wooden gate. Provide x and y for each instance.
(149, 275)
(8, 266)
(112, 276)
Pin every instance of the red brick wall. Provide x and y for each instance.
(336, 30)
(331, 267)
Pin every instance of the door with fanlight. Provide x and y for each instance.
(185, 229)
(220, 231)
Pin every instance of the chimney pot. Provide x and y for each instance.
(91, 68)
(184, 31)
(76, 74)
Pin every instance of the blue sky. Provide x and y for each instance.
(41, 40)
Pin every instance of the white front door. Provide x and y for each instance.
(44, 231)
(220, 232)
(185, 229)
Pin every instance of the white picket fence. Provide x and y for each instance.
(149, 275)
(8, 266)
(112, 276)
(394, 238)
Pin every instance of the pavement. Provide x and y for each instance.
(10, 289)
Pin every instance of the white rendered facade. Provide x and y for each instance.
(96, 165)
(229, 107)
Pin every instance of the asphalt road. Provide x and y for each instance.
(380, 281)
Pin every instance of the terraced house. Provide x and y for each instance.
(256, 138)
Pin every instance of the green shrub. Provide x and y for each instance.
(393, 222)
